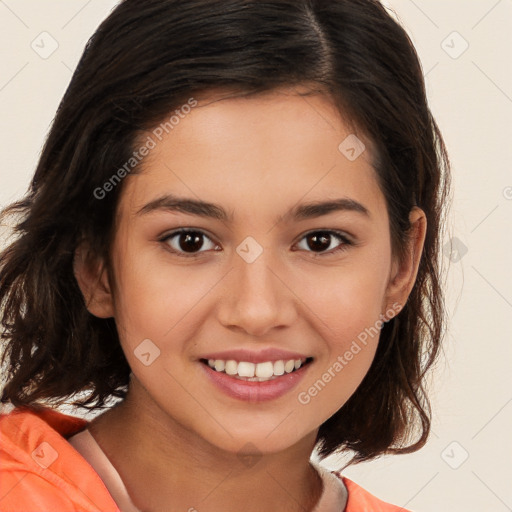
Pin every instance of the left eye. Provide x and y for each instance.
(319, 239)
(187, 242)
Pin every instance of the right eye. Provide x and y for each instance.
(185, 241)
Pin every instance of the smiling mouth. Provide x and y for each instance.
(256, 372)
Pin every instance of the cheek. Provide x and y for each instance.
(350, 341)
(345, 300)
(346, 311)
(159, 300)
(156, 315)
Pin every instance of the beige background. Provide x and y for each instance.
(466, 465)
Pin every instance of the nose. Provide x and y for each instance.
(256, 299)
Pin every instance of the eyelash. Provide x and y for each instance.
(337, 234)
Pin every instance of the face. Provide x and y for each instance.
(258, 280)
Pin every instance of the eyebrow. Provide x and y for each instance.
(310, 210)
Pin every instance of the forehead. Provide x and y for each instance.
(296, 117)
(257, 150)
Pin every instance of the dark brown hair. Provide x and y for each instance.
(143, 62)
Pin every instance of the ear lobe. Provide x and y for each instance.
(404, 273)
(92, 279)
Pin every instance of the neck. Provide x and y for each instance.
(162, 463)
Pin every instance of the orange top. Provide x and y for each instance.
(40, 471)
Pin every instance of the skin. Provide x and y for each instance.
(176, 439)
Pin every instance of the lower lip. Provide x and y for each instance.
(255, 391)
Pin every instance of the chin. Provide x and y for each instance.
(245, 440)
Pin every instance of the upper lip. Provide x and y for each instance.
(251, 356)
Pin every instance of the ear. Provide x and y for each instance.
(403, 274)
(92, 278)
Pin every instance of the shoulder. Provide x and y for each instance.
(360, 500)
(21, 490)
(40, 471)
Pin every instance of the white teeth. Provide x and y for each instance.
(279, 368)
(264, 369)
(289, 366)
(231, 367)
(255, 372)
(219, 365)
(248, 369)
